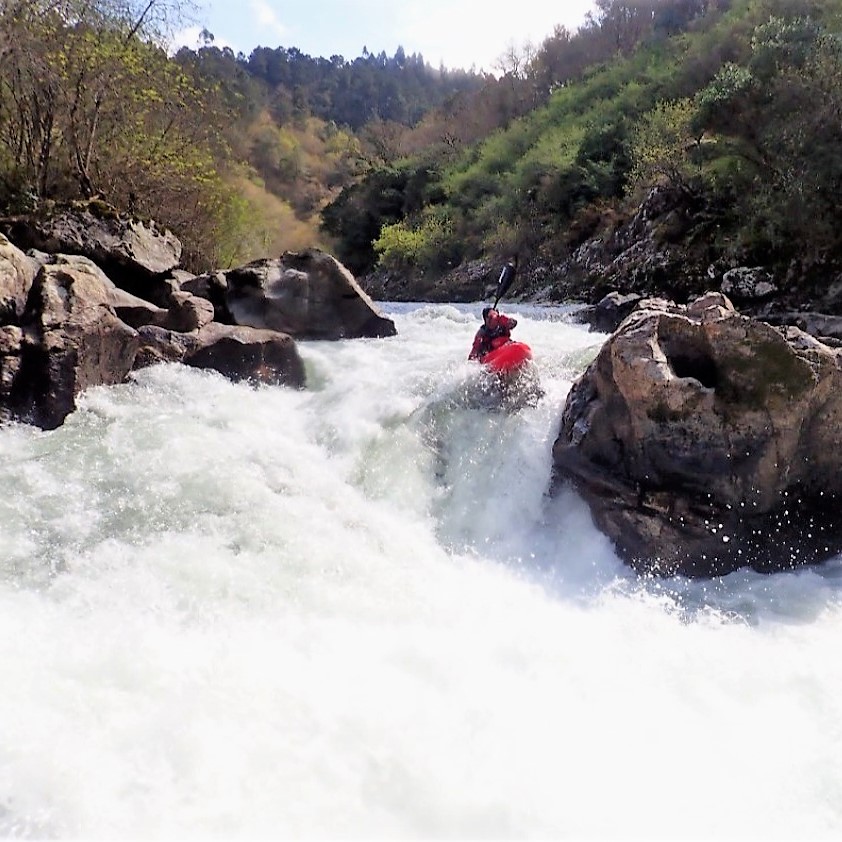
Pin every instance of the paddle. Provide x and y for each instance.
(506, 279)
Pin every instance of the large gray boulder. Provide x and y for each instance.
(138, 256)
(704, 441)
(308, 295)
(105, 236)
(245, 353)
(606, 315)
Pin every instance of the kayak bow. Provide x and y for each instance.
(508, 357)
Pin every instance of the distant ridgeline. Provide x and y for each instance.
(351, 93)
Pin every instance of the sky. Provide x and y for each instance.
(454, 33)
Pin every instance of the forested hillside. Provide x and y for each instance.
(236, 154)
(731, 105)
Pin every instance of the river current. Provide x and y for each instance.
(354, 612)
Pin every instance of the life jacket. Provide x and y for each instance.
(488, 339)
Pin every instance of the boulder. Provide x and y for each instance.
(704, 441)
(308, 295)
(746, 283)
(185, 312)
(136, 255)
(606, 315)
(823, 326)
(238, 353)
(244, 353)
(161, 345)
(17, 272)
(102, 234)
(188, 312)
(71, 339)
(11, 346)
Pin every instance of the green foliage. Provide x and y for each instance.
(738, 101)
(731, 103)
(781, 43)
(427, 244)
(661, 144)
(729, 90)
(357, 216)
(773, 123)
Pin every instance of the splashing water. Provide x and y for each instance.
(354, 611)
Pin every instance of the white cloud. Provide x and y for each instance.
(458, 35)
(268, 18)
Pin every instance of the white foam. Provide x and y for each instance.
(353, 611)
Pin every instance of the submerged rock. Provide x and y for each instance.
(704, 441)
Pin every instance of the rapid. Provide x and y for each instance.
(354, 611)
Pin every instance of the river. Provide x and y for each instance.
(353, 611)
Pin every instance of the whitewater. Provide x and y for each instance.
(354, 611)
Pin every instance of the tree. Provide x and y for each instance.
(661, 145)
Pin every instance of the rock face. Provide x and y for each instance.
(309, 295)
(705, 441)
(470, 281)
(105, 237)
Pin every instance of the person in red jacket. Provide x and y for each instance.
(495, 331)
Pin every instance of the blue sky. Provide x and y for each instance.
(456, 33)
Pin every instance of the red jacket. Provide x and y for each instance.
(487, 339)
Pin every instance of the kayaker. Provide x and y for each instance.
(495, 331)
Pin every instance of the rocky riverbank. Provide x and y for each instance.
(88, 295)
(661, 250)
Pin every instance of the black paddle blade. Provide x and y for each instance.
(506, 279)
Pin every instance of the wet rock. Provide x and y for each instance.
(238, 353)
(71, 339)
(244, 353)
(308, 295)
(704, 441)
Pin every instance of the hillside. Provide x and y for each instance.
(237, 154)
(730, 118)
(659, 146)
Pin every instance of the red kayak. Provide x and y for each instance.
(508, 358)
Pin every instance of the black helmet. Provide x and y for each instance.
(485, 312)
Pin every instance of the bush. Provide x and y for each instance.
(429, 244)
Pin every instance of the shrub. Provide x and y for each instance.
(429, 244)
